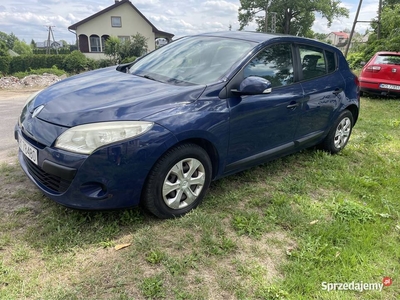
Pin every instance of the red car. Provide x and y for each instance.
(381, 75)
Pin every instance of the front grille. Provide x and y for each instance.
(54, 183)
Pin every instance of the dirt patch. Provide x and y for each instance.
(30, 81)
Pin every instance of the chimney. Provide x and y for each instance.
(116, 1)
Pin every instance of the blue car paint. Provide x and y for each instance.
(180, 113)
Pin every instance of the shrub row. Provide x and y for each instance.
(26, 62)
(74, 62)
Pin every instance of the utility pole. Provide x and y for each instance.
(356, 21)
(379, 19)
(352, 29)
(48, 43)
(266, 17)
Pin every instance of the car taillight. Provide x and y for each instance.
(373, 69)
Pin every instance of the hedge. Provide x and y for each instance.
(25, 62)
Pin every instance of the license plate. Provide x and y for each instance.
(29, 151)
(389, 86)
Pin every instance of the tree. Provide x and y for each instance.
(320, 36)
(22, 48)
(390, 3)
(9, 39)
(293, 16)
(5, 58)
(136, 46)
(33, 44)
(390, 36)
(3, 49)
(112, 48)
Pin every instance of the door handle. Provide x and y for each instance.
(292, 105)
(337, 91)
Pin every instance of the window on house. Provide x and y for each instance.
(123, 39)
(116, 22)
(95, 43)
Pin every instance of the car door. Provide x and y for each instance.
(323, 87)
(264, 125)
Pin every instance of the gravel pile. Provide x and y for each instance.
(29, 81)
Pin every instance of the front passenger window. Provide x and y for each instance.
(274, 63)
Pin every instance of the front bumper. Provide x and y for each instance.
(111, 177)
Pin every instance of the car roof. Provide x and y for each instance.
(387, 53)
(252, 36)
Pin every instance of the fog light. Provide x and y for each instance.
(94, 190)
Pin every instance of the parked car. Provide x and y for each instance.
(157, 131)
(381, 75)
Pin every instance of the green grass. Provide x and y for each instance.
(277, 231)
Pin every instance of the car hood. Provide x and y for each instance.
(109, 95)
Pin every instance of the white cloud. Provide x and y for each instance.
(26, 18)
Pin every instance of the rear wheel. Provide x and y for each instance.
(178, 181)
(339, 134)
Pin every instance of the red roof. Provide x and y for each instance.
(342, 34)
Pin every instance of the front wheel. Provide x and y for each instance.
(178, 181)
(339, 134)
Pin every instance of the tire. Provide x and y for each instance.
(339, 134)
(178, 181)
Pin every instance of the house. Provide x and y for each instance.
(122, 19)
(338, 39)
(52, 44)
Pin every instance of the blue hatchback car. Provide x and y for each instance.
(157, 131)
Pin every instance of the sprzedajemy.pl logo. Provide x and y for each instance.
(356, 286)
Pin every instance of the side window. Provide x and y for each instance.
(330, 58)
(314, 63)
(274, 63)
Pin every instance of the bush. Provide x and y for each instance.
(355, 59)
(75, 62)
(104, 63)
(92, 64)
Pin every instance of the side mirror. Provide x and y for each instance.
(254, 85)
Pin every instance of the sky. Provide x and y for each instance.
(28, 19)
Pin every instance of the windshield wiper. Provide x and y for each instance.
(149, 77)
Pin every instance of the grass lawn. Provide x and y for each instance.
(284, 230)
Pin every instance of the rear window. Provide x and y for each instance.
(316, 62)
(387, 59)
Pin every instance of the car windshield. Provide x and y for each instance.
(388, 59)
(192, 60)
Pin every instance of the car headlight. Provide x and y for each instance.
(31, 97)
(86, 138)
(25, 107)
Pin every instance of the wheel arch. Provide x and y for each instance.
(209, 148)
(354, 111)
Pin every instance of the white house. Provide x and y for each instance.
(122, 19)
(338, 39)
